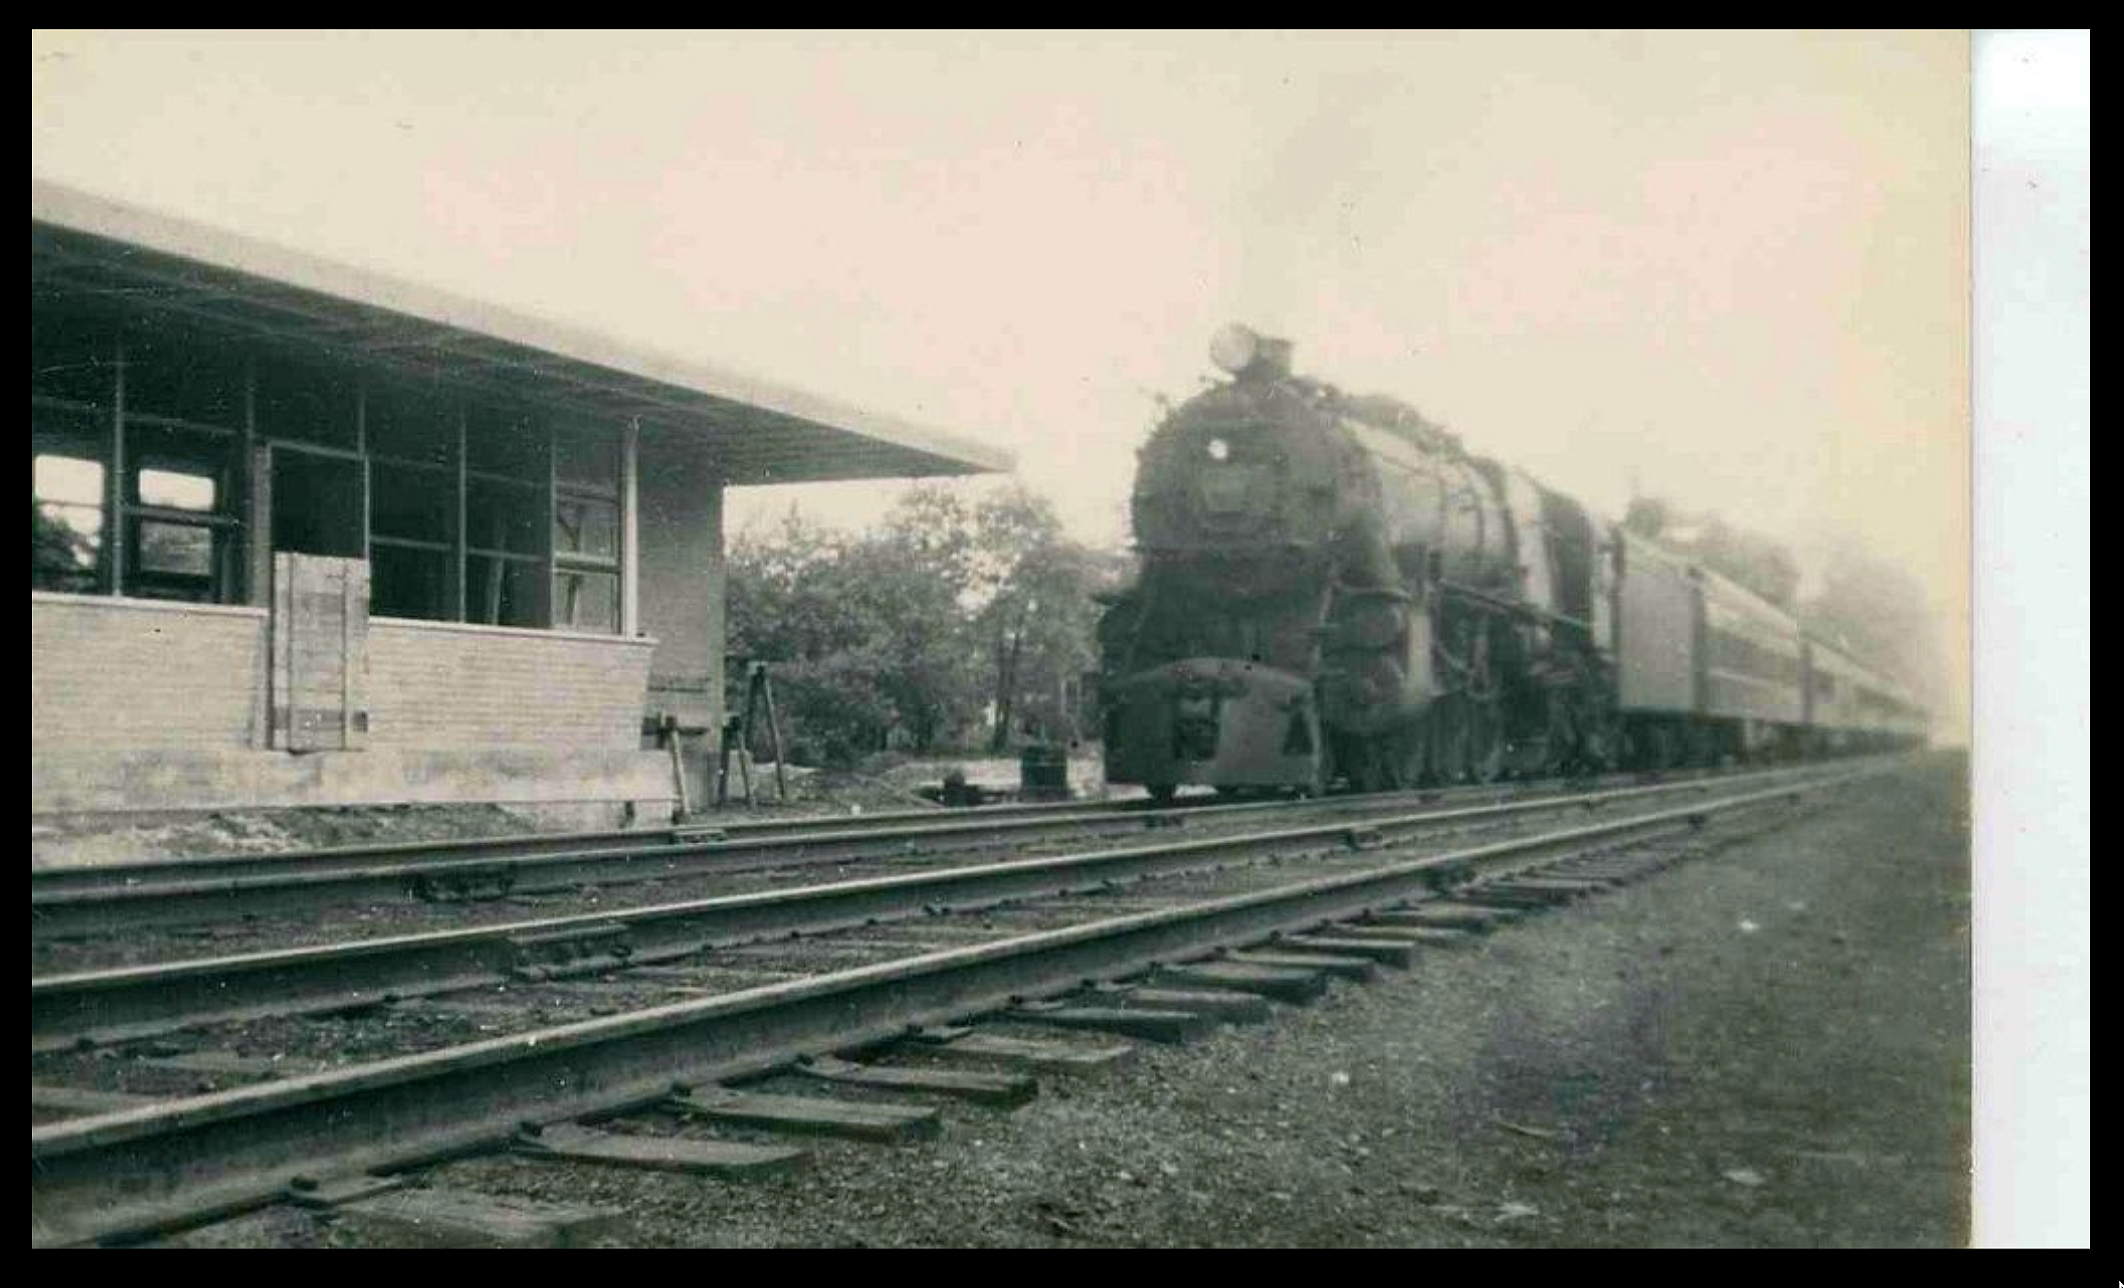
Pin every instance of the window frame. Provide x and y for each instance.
(503, 453)
(571, 566)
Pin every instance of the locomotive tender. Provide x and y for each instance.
(1333, 591)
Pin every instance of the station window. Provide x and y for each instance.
(178, 381)
(66, 520)
(507, 477)
(142, 480)
(586, 601)
(412, 505)
(502, 443)
(415, 426)
(504, 517)
(586, 530)
(71, 361)
(305, 404)
(586, 459)
(176, 527)
(73, 379)
(412, 540)
(181, 528)
(413, 438)
(536, 524)
(318, 500)
(503, 592)
(409, 582)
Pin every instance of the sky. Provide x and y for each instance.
(1728, 268)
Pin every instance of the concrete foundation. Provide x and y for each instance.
(167, 779)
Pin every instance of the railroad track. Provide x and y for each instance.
(100, 1007)
(116, 899)
(1154, 966)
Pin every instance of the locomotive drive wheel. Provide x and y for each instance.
(1367, 764)
(1323, 774)
(1483, 714)
(1605, 746)
(1486, 741)
(1389, 760)
(1465, 740)
(1412, 752)
(1653, 748)
(1448, 737)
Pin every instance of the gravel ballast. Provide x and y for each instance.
(1765, 1046)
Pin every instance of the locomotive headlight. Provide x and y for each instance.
(1242, 351)
(1234, 348)
(1219, 450)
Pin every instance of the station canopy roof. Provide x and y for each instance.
(85, 247)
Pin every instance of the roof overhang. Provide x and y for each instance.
(89, 248)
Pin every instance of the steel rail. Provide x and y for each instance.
(111, 898)
(525, 844)
(173, 891)
(142, 876)
(120, 1003)
(136, 1171)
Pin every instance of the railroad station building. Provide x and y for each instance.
(305, 536)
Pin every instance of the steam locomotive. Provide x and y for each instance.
(1334, 592)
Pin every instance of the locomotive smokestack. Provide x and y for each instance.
(1247, 353)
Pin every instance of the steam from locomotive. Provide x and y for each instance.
(1335, 591)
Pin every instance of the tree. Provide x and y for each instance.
(910, 579)
(866, 635)
(785, 608)
(60, 556)
(1755, 561)
(1880, 614)
(1037, 615)
(903, 635)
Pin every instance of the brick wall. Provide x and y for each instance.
(123, 674)
(436, 684)
(127, 673)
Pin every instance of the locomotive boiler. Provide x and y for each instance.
(1335, 591)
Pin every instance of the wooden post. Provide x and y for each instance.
(258, 526)
(281, 629)
(499, 542)
(752, 703)
(460, 539)
(755, 678)
(346, 656)
(669, 728)
(114, 482)
(253, 466)
(774, 736)
(542, 608)
(722, 768)
(361, 448)
(630, 530)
